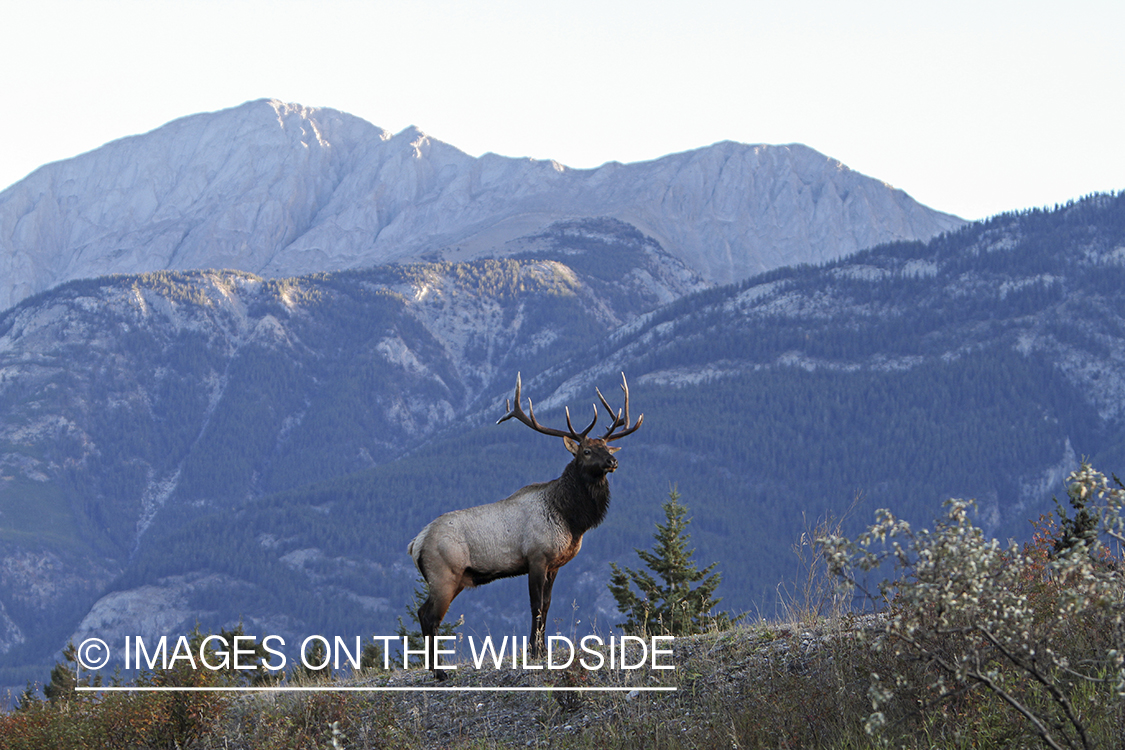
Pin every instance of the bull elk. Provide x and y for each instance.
(535, 531)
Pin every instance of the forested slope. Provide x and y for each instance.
(268, 450)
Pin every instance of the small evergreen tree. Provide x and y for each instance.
(64, 678)
(28, 698)
(315, 653)
(669, 606)
(63, 681)
(1080, 532)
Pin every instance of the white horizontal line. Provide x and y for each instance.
(356, 689)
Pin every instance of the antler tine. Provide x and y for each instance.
(615, 417)
(593, 422)
(622, 421)
(625, 388)
(508, 404)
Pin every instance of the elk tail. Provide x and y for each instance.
(414, 549)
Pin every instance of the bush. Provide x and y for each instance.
(1039, 628)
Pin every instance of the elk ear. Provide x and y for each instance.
(613, 448)
(571, 445)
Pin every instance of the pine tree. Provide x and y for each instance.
(1080, 532)
(28, 698)
(315, 653)
(669, 606)
(64, 679)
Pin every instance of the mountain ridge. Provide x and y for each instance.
(281, 190)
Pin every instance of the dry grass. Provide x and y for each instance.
(805, 680)
(766, 685)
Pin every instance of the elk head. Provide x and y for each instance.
(592, 456)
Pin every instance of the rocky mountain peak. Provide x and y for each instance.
(280, 189)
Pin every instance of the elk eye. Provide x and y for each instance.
(587, 451)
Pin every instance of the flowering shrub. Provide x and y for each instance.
(1040, 628)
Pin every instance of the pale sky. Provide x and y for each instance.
(971, 106)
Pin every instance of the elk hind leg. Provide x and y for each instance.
(430, 615)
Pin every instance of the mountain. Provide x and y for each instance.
(981, 363)
(130, 403)
(281, 190)
(182, 447)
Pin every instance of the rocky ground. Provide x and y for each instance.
(716, 677)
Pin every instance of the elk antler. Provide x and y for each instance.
(529, 419)
(618, 419)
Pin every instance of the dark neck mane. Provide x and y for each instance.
(579, 502)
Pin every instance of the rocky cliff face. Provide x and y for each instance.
(278, 190)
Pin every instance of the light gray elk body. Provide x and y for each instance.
(535, 531)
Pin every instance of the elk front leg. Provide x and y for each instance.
(539, 583)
